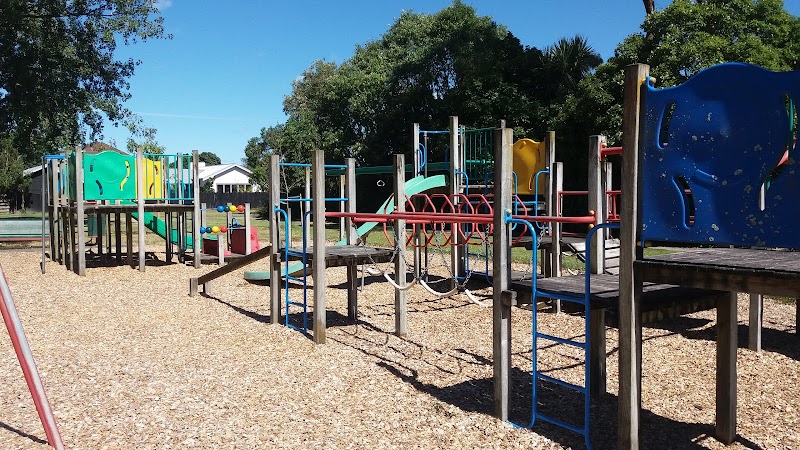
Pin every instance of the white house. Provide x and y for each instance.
(227, 178)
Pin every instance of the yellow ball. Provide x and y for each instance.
(215, 229)
(232, 208)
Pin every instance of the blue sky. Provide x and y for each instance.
(224, 74)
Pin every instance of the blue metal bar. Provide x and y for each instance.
(550, 337)
(560, 423)
(289, 164)
(435, 131)
(557, 296)
(566, 384)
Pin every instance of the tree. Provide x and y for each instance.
(58, 73)
(209, 158)
(11, 167)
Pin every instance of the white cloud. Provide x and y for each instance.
(163, 4)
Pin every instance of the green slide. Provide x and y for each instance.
(413, 186)
(159, 227)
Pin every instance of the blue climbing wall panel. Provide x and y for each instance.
(709, 145)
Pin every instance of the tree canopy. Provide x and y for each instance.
(58, 73)
(209, 158)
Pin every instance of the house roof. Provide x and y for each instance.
(220, 169)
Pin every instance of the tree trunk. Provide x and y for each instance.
(649, 6)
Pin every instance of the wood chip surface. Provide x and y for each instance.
(130, 361)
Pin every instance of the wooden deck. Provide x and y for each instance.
(769, 272)
(344, 255)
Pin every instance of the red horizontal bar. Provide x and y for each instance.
(606, 151)
(573, 192)
(421, 218)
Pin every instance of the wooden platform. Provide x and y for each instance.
(343, 255)
(769, 272)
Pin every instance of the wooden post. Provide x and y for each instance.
(129, 238)
(417, 229)
(197, 239)
(501, 267)
(596, 199)
(168, 240)
(248, 246)
(400, 304)
(318, 269)
(597, 352)
(274, 260)
(80, 211)
(54, 205)
(726, 368)
(630, 283)
(557, 174)
(140, 206)
(756, 321)
(350, 193)
(457, 253)
(547, 196)
(797, 316)
(118, 235)
(221, 247)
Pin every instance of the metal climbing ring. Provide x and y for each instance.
(381, 183)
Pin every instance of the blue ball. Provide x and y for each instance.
(221, 208)
(202, 230)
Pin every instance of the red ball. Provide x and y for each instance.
(240, 208)
(223, 229)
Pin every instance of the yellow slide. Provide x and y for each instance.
(529, 158)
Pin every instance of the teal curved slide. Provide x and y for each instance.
(413, 186)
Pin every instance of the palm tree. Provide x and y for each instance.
(566, 63)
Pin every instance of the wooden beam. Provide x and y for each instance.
(726, 368)
(417, 172)
(756, 322)
(197, 238)
(274, 263)
(79, 204)
(318, 267)
(597, 201)
(140, 206)
(501, 267)
(597, 352)
(456, 252)
(630, 283)
(557, 174)
(400, 304)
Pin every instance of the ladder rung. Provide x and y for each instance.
(293, 303)
(566, 298)
(293, 278)
(567, 385)
(581, 345)
(561, 423)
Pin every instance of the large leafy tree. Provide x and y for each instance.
(59, 76)
(677, 42)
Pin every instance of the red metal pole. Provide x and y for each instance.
(25, 357)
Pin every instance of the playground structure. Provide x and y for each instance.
(109, 185)
(462, 219)
(97, 190)
(743, 109)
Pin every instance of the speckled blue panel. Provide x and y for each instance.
(729, 130)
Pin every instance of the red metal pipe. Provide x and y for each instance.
(606, 151)
(25, 357)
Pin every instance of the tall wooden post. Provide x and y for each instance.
(557, 175)
(196, 237)
(305, 207)
(417, 172)
(400, 305)
(140, 206)
(248, 246)
(318, 269)
(80, 212)
(756, 321)
(726, 368)
(547, 196)
(350, 193)
(457, 252)
(501, 269)
(596, 199)
(630, 282)
(274, 259)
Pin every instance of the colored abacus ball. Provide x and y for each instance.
(202, 230)
(233, 208)
(223, 229)
(215, 229)
(240, 208)
(220, 208)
